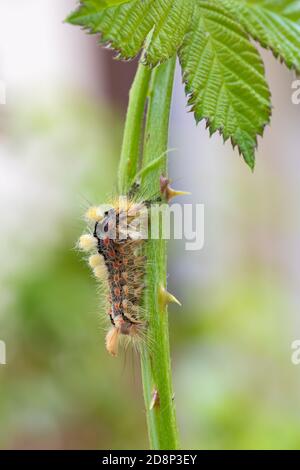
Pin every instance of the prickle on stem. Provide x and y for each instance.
(166, 297)
(167, 192)
(155, 402)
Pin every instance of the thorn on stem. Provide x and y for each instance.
(155, 399)
(167, 192)
(166, 297)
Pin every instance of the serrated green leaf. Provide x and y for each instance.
(126, 27)
(224, 77)
(223, 71)
(111, 3)
(274, 23)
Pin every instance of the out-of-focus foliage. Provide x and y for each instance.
(234, 352)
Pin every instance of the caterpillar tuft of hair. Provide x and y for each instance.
(116, 244)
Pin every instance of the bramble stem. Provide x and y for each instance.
(155, 361)
(156, 364)
(133, 131)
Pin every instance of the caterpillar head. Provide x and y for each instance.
(107, 226)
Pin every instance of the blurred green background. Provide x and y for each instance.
(60, 131)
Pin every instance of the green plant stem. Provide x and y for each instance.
(155, 363)
(132, 138)
(156, 86)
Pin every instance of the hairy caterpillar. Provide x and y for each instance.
(117, 241)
